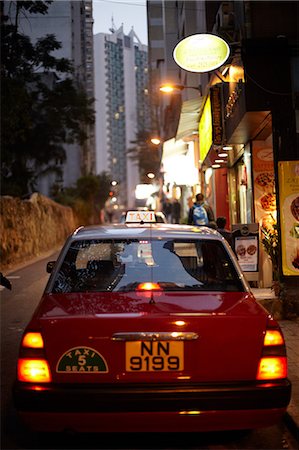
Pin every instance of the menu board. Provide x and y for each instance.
(264, 186)
(246, 248)
(288, 176)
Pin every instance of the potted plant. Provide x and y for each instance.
(270, 244)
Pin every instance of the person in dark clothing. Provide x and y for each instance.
(221, 222)
(201, 213)
(176, 211)
(167, 209)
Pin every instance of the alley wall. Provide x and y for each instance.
(29, 228)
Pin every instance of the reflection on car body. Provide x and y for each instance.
(150, 327)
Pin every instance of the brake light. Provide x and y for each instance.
(273, 362)
(33, 340)
(271, 368)
(34, 371)
(32, 365)
(273, 337)
(148, 287)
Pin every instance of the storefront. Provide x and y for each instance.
(251, 160)
(236, 154)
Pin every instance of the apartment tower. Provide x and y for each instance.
(122, 109)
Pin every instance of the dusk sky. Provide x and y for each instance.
(130, 13)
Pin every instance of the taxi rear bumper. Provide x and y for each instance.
(159, 422)
(151, 408)
(151, 397)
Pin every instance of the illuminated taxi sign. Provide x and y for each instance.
(201, 53)
(140, 216)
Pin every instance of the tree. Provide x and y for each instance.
(146, 155)
(40, 111)
(88, 197)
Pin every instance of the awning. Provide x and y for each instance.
(189, 118)
(178, 163)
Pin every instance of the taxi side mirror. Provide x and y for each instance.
(50, 266)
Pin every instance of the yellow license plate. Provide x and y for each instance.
(154, 356)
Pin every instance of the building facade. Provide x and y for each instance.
(122, 108)
(248, 116)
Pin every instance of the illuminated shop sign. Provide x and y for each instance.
(205, 130)
(216, 115)
(288, 176)
(201, 53)
(232, 100)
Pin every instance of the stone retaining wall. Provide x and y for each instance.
(31, 227)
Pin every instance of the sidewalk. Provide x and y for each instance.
(290, 329)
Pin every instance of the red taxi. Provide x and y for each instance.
(149, 327)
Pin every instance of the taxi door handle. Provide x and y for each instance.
(155, 336)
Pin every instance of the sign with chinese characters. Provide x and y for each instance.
(216, 115)
(201, 53)
(232, 100)
(288, 176)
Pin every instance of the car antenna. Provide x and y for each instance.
(152, 301)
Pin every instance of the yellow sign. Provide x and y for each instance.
(288, 176)
(201, 53)
(205, 130)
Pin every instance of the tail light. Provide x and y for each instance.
(272, 367)
(273, 338)
(33, 370)
(32, 364)
(33, 340)
(273, 361)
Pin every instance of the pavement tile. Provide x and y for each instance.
(290, 329)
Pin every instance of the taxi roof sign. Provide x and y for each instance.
(140, 216)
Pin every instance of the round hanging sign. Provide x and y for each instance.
(201, 53)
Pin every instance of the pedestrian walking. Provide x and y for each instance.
(201, 213)
(176, 211)
(221, 222)
(109, 214)
(167, 209)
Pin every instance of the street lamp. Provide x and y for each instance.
(155, 140)
(169, 88)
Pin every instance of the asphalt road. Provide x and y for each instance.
(17, 307)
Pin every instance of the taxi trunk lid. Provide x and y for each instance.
(137, 337)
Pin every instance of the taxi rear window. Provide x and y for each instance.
(121, 265)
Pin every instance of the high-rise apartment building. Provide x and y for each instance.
(71, 23)
(122, 109)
